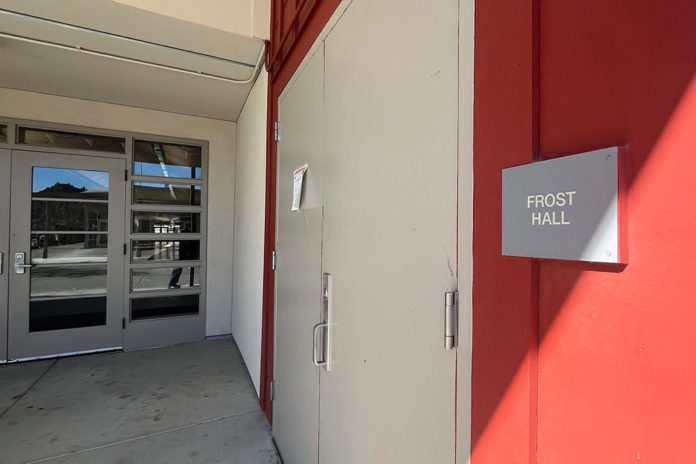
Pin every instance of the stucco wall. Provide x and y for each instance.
(221, 136)
(249, 227)
(241, 17)
(246, 18)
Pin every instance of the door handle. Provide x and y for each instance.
(315, 343)
(19, 265)
(326, 316)
(2, 262)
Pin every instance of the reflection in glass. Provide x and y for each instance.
(68, 281)
(70, 183)
(68, 248)
(155, 222)
(162, 250)
(163, 278)
(3, 133)
(149, 193)
(166, 160)
(179, 305)
(67, 314)
(62, 139)
(69, 216)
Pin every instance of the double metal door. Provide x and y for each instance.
(62, 239)
(378, 213)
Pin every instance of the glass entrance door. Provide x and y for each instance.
(66, 259)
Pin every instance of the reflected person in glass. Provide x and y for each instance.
(187, 250)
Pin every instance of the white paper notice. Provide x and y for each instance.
(297, 187)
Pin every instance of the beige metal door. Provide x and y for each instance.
(390, 212)
(4, 246)
(66, 254)
(298, 272)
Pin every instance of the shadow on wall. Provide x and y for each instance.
(606, 381)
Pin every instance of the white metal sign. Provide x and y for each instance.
(570, 208)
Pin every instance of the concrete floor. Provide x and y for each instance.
(185, 404)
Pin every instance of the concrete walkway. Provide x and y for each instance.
(185, 404)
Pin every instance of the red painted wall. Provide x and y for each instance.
(615, 373)
(616, 359)
(503, 328)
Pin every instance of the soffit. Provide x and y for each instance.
(45, 69)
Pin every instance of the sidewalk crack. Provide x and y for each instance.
(33, 384)
(150, 435)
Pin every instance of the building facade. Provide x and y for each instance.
(323, 180)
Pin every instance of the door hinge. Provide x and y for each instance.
(274, 259)
(276, 131)
(123, 323)
(272, 390)
(451, 319)
(125, 174)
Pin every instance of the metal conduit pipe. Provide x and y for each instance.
(77, 48)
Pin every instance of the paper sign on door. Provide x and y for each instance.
(298, 175)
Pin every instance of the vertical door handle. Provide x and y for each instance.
(315, 343)
(326, 316)
(326, 284)
(2, 262)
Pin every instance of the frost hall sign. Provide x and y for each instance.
(570, 208)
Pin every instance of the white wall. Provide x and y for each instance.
(221, 136)
(246, 18)
(249, 227)
(236, 16)
(261, 17)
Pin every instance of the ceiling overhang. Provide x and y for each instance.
(114, 53)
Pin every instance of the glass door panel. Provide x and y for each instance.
(66, 236)
(67, 228)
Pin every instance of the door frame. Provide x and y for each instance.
(149, 332)
(21, 338)
(5, 167)
(309, 29)
(305, 309)
(321, 17)
(159, 330)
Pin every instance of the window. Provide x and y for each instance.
(156, 159)
(167, 230)
(71, 140)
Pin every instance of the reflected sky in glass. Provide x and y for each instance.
(91, 181)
